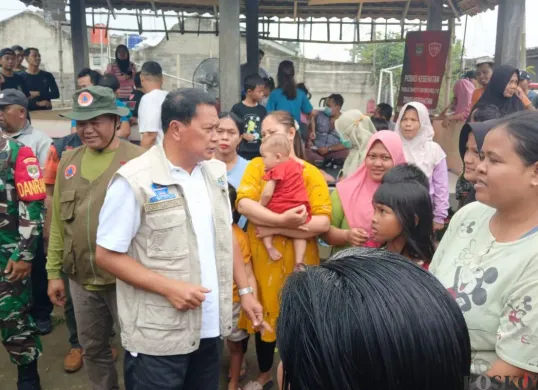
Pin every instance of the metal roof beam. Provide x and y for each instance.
(154, 8)
(456, 13)
(111, 8)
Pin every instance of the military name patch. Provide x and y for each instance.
(29, 189)
(161, 193)
(162, 205)
(70, 171)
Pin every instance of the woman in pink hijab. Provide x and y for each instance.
(352, 207)
(463, 94)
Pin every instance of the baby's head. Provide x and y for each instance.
(275, 149)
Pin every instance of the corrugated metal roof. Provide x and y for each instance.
(418, 9)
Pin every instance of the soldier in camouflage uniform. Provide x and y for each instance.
(22, 192)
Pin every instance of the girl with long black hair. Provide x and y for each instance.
(287, 97)
(403, 220)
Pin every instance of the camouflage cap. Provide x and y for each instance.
(94, 101)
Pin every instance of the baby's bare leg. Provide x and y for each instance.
(271, 250)
(299, 247)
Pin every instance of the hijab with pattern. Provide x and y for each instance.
(357, 191)
(421, 150)
(494, 93)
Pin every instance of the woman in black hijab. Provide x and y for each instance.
(502, 91)
(124, 70)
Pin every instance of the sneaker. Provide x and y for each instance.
(43, 327)
(73, 360)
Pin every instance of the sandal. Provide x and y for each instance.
(253, 385)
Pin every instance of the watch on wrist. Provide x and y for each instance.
(245, 291)
(329, 149)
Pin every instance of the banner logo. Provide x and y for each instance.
(424, 67)
(435, 48)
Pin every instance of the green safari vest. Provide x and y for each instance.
(80, 204)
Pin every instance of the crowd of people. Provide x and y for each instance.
(211, 229)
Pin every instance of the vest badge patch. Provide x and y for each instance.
(70, 171)
(164, 205)
(221, 181)
(161, 193)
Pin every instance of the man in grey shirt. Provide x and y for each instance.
(14, 121)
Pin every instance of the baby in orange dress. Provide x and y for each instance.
(285, 189)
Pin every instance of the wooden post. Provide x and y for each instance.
(178, 71)
(435, 15)
(229, 45)
(448, 71)
(79, 36)
(253, 52)
(523, 54)
(61, 58)
(510, 13)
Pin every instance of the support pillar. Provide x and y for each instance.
(511, 13)
(229, 46)
(79, 36)
(253, 52)
(435, 15)
(448, 70)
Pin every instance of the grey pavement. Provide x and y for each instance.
(53, 377)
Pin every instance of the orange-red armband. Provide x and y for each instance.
(28, 176)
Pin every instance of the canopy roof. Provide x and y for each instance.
(399, 9)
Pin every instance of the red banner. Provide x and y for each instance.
(424, 67)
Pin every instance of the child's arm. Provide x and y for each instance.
(251, 278)
(267, 192)
(440, 192)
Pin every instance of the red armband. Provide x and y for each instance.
(28, 176)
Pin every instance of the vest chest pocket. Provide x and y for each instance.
(67, 205)
(168, 234)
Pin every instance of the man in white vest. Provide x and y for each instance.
(165, 231)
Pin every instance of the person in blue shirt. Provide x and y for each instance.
(287, 97)
(112, 82)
